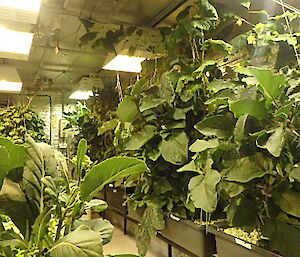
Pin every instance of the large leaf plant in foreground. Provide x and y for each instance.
(253, 167)
(46, 205)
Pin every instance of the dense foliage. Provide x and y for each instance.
(96, 123)
(17, 120)
(231, 109)
(45, 205)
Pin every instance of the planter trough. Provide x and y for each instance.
(229, 246)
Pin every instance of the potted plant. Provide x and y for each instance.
(45, 204)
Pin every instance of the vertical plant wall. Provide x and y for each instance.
(218, 125)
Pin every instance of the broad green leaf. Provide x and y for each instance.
(139, 139)
(284, 238)
(13, 203)
(253, 108)
(41, 225)
(203, 190)
(166, 88)
(82, 242)
(182, 82)
(202, 145)
(108, 125)
(295, 173)
(97, 205)
(16, 152)
(208, 16)
(190, 91)
(239, 130)
(127, 110)
(219, 84)
(11, 239)
(218, 46)
(150, 102)
(81, 152)
(231, 188)
(139, 86)
(221, 97)
(174, 149)
(205, 65)
(152, 221)
(188, 167)
(5, 164)
(115, 168)
(246, 3)
(40, 163)
(103, 227)
(245, 169)
(288, 201)
(275, 142)
(220, 126)
(271, 84)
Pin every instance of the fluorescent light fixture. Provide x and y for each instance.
(81, 95)
(125, 63)
(26, 5)
(9, 80)
(16, 42)
(7, 86)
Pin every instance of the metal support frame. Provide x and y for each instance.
(172, 7)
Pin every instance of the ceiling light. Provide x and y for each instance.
(9, 80)
(81, 95)
(26, 5)
(15, 42)
(125, 63)
(7, 86)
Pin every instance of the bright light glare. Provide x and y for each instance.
(15, 41)
(81, 95)
(6, 86)
(27, 5)
(125, 63)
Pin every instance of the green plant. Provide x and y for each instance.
(238, 124)
(17, 120)
(43, 193)
(97, 123)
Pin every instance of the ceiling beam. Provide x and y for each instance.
(163, 14)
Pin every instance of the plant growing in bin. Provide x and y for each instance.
(250, 157)
(46, 205)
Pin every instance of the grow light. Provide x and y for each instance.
(7, 86)
(26, 5)
(9, 80)
(125, 63)
(16, 42)
(81, 95)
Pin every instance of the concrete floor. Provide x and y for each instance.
(122, 244)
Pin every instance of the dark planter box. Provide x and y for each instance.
(115, 197)
(229, 246)
(186, 235)
(190, 237)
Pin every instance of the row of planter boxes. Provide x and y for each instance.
(196, 240)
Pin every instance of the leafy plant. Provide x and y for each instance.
(17, 120)
(237, 124)
(96, 123)
(44, 194)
